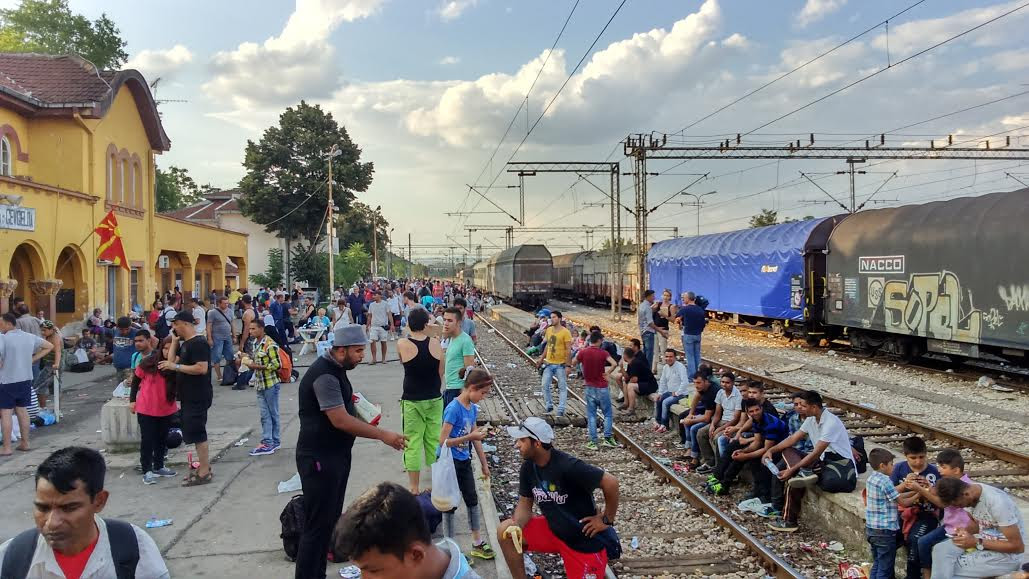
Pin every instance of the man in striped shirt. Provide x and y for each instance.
(265, 364)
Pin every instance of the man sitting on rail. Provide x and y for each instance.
(562, 486)
(830, 462)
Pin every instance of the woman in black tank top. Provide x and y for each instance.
(422, 402)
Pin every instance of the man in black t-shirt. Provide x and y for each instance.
(562, 486)
(638, 379)
(190, 359)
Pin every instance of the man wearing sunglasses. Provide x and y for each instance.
(562, 486)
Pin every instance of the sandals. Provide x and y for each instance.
(194, 479)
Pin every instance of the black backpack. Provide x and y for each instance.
(161, 328)
(702, 301)
(124, 551)
(292, 519)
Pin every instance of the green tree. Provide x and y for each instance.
(793, 219)
(287, 172)
(272, 277)
(175, 189)
(766, 217)
(355, 226)
(50, 27)
(352, 264)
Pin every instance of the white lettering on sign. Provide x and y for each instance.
(19, 218)
(881, 264)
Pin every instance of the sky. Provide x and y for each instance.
(427, 88)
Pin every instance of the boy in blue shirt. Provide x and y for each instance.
(460, 434)
(907, 476)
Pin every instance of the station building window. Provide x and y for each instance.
(6, 166)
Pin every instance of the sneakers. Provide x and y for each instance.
(149, 478)
(164, 471)
(610, 442)
(682, 446)
(803, 479)
(482, 551)
(705, 469)
(591, 445)
(783, 526)
(263, 449)
(766, 511)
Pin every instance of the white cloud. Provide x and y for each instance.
(736, 40)
(915, 35)
(1010, 60)
(299, 62)
(160, 63)
(641, 69)
(453, 9)
(815, 10)
(448, 60)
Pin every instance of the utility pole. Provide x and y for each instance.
(853, 199)
(375, 241)
(330, 223)
(410, 263)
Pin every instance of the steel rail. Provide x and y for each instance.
(772, 563)
(984, 448)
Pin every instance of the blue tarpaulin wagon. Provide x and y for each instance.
(772, 275)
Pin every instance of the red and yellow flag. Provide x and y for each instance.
(110, 247)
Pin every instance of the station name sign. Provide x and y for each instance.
(17, 218)
(881, 264)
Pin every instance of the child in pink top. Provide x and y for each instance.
(152, 399)
(951, 464)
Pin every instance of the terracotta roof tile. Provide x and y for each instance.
(54, 79)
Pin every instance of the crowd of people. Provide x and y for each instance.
(949, 525)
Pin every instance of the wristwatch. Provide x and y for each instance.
(177, 366)
(606, 520)
(979, 544)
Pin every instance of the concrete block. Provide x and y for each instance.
(119, 428)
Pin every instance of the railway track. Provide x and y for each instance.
(679, 531)
(993, 464)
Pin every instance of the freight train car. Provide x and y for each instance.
(596, 278)
(479, 276)
(567, 271)
(768, 275)
(523, 274)
(946, 277)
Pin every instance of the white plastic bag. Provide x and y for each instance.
(81, 356)
(121, 391)
(446, 495)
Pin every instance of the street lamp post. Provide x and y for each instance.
(697, 203)
(389, 254)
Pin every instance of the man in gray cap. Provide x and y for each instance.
(562, 486)
(328, 427)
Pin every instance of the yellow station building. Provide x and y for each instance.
(75, 143)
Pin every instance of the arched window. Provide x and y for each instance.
(125, 181)
(137, 183)
(6, 166)
(112, 176)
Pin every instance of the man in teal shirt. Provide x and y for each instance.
(459, 355)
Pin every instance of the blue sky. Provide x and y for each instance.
(427, 88)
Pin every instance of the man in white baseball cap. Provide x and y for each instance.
(562, 486)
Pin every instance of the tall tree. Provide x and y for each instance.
(50, 27)
(175, 189)
(287, 172)
(766, 217)
(355, 226)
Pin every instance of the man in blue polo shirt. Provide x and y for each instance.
(768, 430)
(692, 318)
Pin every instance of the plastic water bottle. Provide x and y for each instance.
(635, 543)
(772, 468)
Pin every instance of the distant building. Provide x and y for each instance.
(75, 143)
(221, 209)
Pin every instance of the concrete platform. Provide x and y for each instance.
(842, 515)
(230, 528)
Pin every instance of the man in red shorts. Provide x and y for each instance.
(562, 486)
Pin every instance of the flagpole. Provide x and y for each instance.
(79, 245)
